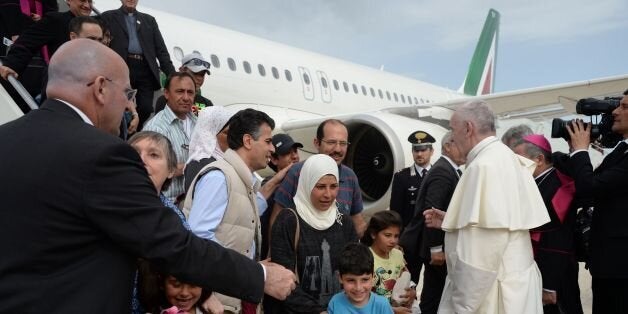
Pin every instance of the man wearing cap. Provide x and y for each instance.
(553, 243)
(135, 36)
(406, 182)
(194, 64)
(286, 153)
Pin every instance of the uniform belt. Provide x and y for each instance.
(135, 56)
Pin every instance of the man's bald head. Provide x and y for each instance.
(79, 61)
(93, 78)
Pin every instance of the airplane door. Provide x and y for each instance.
(308, 85)
(325, 88)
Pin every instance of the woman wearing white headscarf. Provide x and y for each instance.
(209, 140)
(323, 233)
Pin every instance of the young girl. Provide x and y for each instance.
(382, 236)
(163, 293)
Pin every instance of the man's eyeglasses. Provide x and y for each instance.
(130, 93)
(196, 61)
(335, 142)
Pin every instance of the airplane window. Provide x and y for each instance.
(422, 101)
(381, 95)
(306, 79)
(396, 99)
(355, 88)
(388, 95)
(416, 102)
(247, 67)
(215, 61)
(231, 64)
(363, 90)
(288, 75)
(261, 69)
(346, 86)
(403, 99)
(336, 86)
(372, 91)
(275, 72)
(324, 82)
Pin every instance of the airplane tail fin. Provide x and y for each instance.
(480, 78)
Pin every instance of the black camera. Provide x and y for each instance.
(602, 131)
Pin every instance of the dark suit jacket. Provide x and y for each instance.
(405, 188)
(77, 210)
(51, 30)
(609, 234)
(436, 191)
(150, 38)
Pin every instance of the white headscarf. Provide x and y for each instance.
(314, 168)
(203, 143)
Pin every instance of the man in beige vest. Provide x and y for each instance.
(225, 204)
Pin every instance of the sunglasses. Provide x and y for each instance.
(196, 61)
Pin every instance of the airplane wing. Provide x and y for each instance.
(546, 101)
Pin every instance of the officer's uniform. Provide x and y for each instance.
(405, 190)
(406, 182)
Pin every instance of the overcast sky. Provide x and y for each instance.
(541, 41)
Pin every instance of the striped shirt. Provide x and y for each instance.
(348, 200)
(167, 123)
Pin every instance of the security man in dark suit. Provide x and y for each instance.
(423, 244)
(406, 184)
(137, 39)
(607, 184)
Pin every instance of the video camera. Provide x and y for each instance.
(601, 132)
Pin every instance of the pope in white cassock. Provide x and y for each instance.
(490, 264)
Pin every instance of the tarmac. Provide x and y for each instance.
(584, 281)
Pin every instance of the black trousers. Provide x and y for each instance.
(568, 291)
(142, 79)
(433, 284)
(610, 295)
(414, 265)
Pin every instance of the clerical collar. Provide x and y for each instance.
(78, 111)
(547, 171)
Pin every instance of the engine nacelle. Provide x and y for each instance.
(379, 148)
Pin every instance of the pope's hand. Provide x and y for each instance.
(433, 217)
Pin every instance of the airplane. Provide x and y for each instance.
(299, 89)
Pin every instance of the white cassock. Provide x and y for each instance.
(490, 264)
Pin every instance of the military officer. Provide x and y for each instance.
(406, 182)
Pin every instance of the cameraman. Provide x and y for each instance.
(608, 186)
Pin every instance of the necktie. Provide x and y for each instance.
(423, 173)
(459, 173)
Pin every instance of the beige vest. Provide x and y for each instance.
(240, 225)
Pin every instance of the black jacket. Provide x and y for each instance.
(404, 191)
(52, 30)
(436, 191)
(149, 36)
(78, 209)
(609, 234)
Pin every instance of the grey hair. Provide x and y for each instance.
(446, 139)
(531, 151)
(516, 133)
(480, 114)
